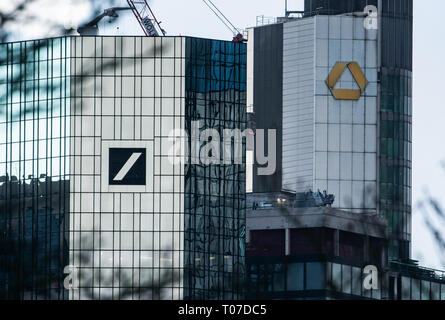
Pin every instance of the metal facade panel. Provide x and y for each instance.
(268, 96)
(298, 104)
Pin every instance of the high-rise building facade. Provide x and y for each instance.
(342, 107)
(395, 59)
(92, 196)
(336, 83)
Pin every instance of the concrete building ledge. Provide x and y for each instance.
(300, 218)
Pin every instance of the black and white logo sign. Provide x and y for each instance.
(127, 166)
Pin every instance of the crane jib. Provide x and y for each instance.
(146, 18)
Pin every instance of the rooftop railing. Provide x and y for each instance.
(263, 20)
(417, 271)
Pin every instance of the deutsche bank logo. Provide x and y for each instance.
(127, 166)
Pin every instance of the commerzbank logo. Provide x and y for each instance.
(357, 74)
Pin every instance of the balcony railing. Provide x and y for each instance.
(417, 271)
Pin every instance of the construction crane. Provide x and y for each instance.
(237, 33)
(143, 13)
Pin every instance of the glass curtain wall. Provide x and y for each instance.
(396, 123)
(313, 7)
(307, 278)
(34, 186)
(215, 194)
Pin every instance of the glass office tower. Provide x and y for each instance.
(91, 202)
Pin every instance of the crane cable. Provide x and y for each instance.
(222, 14)
(235, 28)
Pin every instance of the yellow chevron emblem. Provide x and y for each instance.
(359, 77)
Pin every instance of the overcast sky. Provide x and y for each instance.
(192, 17)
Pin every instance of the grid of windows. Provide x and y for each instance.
(34, 168)
(417, 289)
(128, 92)
(215, 195)
(412, 282)
(345, 138)
(395, 120)
(314, 7)
(59, 119)
(307, 278)
(395, 157)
